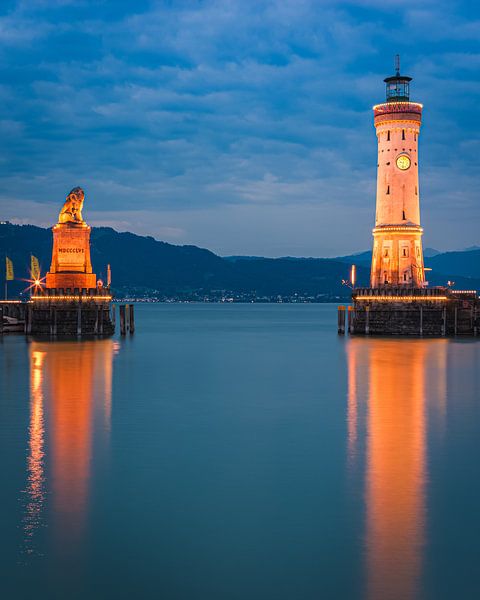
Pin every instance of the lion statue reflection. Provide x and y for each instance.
(72, 209)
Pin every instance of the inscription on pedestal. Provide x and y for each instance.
(71, 249)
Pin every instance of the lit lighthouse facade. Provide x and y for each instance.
(397, 258)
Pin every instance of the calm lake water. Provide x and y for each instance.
(240, 452)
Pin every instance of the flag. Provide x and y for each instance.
(34, 268)
(9, 269)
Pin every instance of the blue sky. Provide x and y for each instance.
(242, 126)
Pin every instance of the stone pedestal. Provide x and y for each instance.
(71, 265)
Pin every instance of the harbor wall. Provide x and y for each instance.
(414, 312)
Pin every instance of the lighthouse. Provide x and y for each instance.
(398, 301)
(397, 259)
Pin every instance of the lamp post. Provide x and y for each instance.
(353, 278)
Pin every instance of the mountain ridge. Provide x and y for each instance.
(144, 266)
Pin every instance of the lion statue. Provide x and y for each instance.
(72, 209)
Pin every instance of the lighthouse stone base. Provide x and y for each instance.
(432, 312)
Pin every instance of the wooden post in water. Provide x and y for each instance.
(367, 320)
(122, 319)
(131, 319)
(1, 320)
(456, 318)
(341, 320)
(421, 319)
(444, 321)
(113, 315)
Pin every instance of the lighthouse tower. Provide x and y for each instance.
(398, 301)
(397, 259)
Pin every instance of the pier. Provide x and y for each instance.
(69, 302)
(12, 316)
(435, 312)
(69, 313)
(83, 313)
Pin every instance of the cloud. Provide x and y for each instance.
(260, 112)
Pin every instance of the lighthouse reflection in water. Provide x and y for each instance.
(70, 411)
(387, 401)
(345, 469)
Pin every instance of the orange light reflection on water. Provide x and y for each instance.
(71, 382)
(35, 462)
(352, 416)
(395, 470)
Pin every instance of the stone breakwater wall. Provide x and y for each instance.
(70, 316)
(433, 313)
(13, 309)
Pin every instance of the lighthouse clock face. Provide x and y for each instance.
(403, 162)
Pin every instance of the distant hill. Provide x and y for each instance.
(465, 263)
(361, 258)
(144, 266)
(462, 266)
(365, 258)
(429, 252)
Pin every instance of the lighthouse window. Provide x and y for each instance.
(388, 189)
(405, 276)
(418, 252)
(403, 134)
(385, 253)
(403, 215)
(388, 136)
(416, 191)
(385, 279)
(405, 252)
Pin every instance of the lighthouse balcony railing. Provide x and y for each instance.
(397, 107)
(399, 291)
